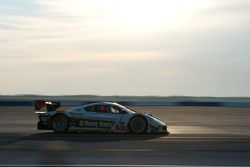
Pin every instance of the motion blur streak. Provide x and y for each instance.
(200, 136)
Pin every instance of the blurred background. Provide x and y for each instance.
(115, 47)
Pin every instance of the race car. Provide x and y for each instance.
(96, 117)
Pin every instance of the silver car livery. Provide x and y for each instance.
(96, 117)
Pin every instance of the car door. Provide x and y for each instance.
(97, 117)
(107, 116)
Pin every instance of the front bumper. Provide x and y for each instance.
(163, 129)
(159, 129)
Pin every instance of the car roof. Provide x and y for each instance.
(102, 103)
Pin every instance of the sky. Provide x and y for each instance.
(125, 47)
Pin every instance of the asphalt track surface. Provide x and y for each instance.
(200, 136)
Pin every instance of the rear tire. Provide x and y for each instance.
(60, 123)
(138, 125)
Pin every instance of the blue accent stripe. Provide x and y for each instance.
(205, 104)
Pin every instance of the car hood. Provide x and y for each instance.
(154, 118)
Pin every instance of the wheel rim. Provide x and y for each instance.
(138, 125)
(60, 124)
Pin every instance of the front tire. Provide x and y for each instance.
(60, 123)
(138, 125)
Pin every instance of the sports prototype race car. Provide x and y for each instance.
(96, 117)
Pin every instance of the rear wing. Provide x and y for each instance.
(42, 106)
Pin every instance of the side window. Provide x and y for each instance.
(108, 109)
(118, 110)
(102, 108)
(96, 108)
(89, 108)
(114, 110)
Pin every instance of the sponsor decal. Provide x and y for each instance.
(120, 128)
(90, 123)
(81, 123)
(94, 124)
(105, 124)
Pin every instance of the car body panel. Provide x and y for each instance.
(116, 121)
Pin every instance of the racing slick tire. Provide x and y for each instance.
(60, 123)
(138, 124)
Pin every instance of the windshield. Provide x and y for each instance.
(129, 110)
